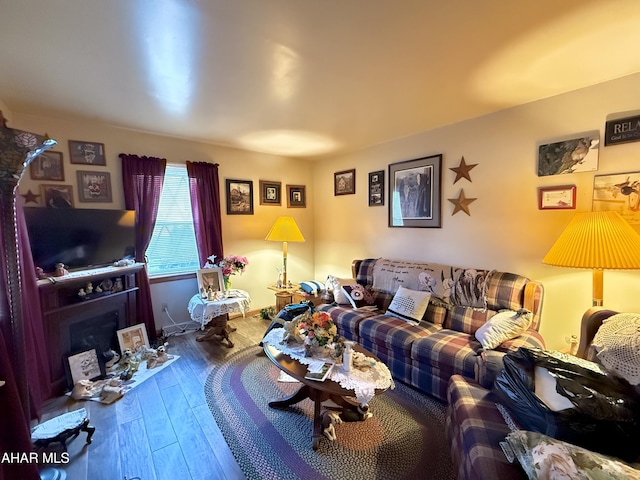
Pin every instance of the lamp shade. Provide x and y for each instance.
(596, 240)
(285, 229)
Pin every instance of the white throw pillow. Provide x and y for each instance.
(335, 284)
(409, 305)
(503, 326)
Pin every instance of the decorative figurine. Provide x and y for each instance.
(61, 271)
(89, 288)
(117, 285)
(40, 273)
(82, 293)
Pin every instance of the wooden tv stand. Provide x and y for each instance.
(62, 308)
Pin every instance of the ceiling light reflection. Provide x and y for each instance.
(285, 74)
(292, 143)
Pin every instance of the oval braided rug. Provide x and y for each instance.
(403, 440)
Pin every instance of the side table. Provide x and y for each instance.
(214, 315)
(284, 296)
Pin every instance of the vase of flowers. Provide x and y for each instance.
(318, 329)
(230, 265)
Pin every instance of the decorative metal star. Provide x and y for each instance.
(30, 197)
(461, 203)
(462, 170)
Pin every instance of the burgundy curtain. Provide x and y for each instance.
(142, 179)
(205, 206)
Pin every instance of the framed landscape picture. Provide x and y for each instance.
(270, 192)
(239, 197)
(87, 153)
(296, 196)
(94, 186)
(344, 183)
(376, 188)
(57, 196)
(415, 198)
(619, 192)
(47, 166)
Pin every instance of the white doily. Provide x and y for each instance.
(618, 345)
(364, 384)
(203, 311)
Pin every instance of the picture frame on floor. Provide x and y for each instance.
(133, 337)
(296, 196)
(47, 166)
(84, 365)
(270, 192)
(87, 153)
(239, 197)
(562, 197)
(344, 182)
(376, 188)
(415, 193)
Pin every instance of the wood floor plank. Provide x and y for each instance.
(128, 407)
(169, 463)
(104, 458)
(189, 383)
(135, 455)
(156, 419)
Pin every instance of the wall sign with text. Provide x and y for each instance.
(623, 130)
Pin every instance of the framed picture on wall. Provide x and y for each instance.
(619, 192)
(270, 192)
(57, 196)
(562, 197)
(577, 154)
(296, 196)
(415, 196)
(239, 197)
(47, 166)
(376, 188)
(94, 186)
(344, 182)
(87, 153)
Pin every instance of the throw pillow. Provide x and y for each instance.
(409, 305)
(543, 457)
(617, 343)
(335, 284)
(503, 326)
(311, 287)
(358, 296)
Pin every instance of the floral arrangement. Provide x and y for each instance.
(319, 328)
(230, 265)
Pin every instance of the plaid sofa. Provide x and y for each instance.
(443, 343)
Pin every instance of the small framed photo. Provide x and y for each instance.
(270, 192)
(376, 188)
(210, 281)
(87, 153)
(47, 166)
(415, 193)
(83, 366)
(239, 197)
(296, 196)
(133, 337)
(344, 182)
(94, 186)
(57, 196)
(562, 197)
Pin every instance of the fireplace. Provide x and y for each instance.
(96, 331)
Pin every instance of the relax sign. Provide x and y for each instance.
(622, 130)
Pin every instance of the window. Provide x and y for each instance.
(173, 249)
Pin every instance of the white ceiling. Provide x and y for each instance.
(304, 78)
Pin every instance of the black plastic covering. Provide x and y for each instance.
(606, 417)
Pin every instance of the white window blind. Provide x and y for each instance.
(172, 249)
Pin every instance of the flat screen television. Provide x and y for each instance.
(81, 238)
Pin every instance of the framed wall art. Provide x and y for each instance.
(87, 153)
(94, 186)
(296, 196)
(84, 366)
(619, 192)
(132, 337)
(47, 166)
(210, 280)
(239, 197)
(415, 198)
(270, 192)
(622, 130)
(376, 188)
(57, 196)
(578, 154)
(344, 182)
(562, 197)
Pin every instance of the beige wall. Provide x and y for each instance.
(242, 234)
(506, 230)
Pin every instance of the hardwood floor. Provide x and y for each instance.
(163, 428)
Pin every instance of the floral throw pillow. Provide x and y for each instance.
(543, 457)
(358, 296)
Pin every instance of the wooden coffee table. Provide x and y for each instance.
(317, 392)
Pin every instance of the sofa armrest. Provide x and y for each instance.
(591, 321)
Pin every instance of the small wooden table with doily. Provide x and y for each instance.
(318, 392)
(214, 315)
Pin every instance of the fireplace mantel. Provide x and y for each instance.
(62, 306)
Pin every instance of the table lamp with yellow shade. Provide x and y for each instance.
(598, 241)
(285, 229)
